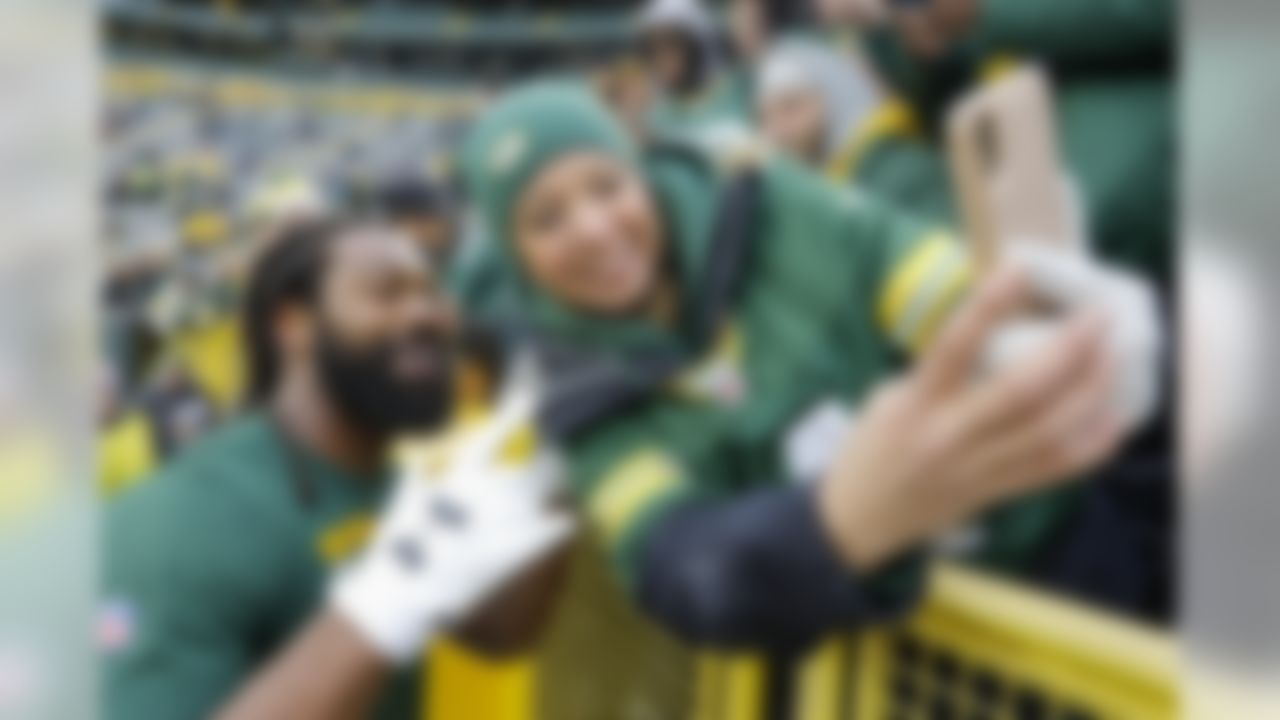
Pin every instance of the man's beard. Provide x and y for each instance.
(363, 384)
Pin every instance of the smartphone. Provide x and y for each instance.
(1002, 147)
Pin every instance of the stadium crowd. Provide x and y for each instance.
(704, 300)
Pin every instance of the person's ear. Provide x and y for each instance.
(295, 330)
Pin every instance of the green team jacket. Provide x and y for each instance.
(1115, 111)
(827, 298)
(715, 117)
(211, 565)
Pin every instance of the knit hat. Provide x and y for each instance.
(521, 134)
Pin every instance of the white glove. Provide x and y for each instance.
(450, 538)
(1068, 279)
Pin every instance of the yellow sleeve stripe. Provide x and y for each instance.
(633, 485)
(921, 287)
(956, 285)
(894, 118)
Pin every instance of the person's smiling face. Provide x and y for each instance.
(588, 233)
(385, 336)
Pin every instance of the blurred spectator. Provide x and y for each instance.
(1110, 63)
(749, 29)
(426, 211)
(811, 97)
(851, 13)
(176, 409)
(699, 98)
(126, 441)
(626, 88)
(281, 201)
(754, 25)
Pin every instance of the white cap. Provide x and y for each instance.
(687, 15)
(848, 88)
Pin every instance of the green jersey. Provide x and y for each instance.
(214, 563)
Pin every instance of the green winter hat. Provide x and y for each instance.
(524, 131)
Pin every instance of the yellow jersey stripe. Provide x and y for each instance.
(634, 484)
(344, 538)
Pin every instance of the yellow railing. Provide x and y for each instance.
(462, 686)
(979, 647)
(982, 647)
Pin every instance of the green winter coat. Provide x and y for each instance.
(211, 565)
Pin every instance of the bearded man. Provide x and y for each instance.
(219, 596)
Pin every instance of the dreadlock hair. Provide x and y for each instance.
(288, 270)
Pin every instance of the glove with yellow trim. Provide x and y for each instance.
(451, 537)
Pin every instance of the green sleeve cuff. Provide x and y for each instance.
(626, 547)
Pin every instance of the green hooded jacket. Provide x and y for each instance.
(796, 295)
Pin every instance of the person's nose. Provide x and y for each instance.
(435, 311)
(593, 228)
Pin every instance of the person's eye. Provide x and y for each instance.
(387, 288)
(547, 217)
(605, 185)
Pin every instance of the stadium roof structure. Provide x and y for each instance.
(440, 40)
